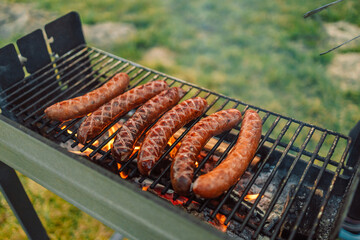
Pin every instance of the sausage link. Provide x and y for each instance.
(183, 165)
(132, 129)
(103, 116)
(157, 137)
(80, 106)
(220, 179)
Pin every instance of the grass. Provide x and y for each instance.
(263, 53)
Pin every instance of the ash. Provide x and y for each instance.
(328, 219)
(268, 196)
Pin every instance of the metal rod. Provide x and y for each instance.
(113, 123)
(302, 178)
(88, 83)
(283, 182)
(53, 91)
(340, 45)
(312, 12)
(270, 178)
(237, 205)
(178, 140)
(16, 85)
(314, 187)
(327, 196)
(20, 92)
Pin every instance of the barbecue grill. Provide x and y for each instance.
(299, 185)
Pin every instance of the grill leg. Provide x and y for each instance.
(20, 204)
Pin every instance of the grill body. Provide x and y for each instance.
(290, 151)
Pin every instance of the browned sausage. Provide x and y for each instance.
(118, 106)
(183, 165)
(220, 179)
(80, 106)
(157, 137)
(132, 129)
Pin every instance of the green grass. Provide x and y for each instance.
(263, 53)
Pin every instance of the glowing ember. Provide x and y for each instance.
(175, 149)
(111, 131)
(219, 221)
(251, 197)
(122, 174)
(63, 127)
(84, 153)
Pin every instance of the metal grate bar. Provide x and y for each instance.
(107, 79)
(85, 85)
(113, 135)
(282, 133)
(327, 196)
(237, 205)
(21, 90)
(213, 149)
(16, 86)
(53, 83)
(283, 182)
(117, 119)
(53, 91)
(314, 187)
(178, 140)
(98, 65)
(292, 198)
(309, 154)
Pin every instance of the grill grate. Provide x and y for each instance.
(286, 143)
(289, 150)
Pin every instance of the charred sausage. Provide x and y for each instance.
(220, 179)
(80, 106)
(157, 137)
(183, 165)
(132, 129)
(118, 106)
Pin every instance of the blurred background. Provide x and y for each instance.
(261, 52)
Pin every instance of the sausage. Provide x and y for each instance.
(157, 137)
(183, 165)
(80, 106)
(103, 116)
(221, 178)
(132, 129)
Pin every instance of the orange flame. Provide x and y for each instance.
(122, 174)
(111, 131)
(251, 197)
(175, 149)
(219, 221)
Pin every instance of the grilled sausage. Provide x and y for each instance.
(132, 129)
(183, 165)
(118, 106)
(157, 137)
(80, 106)
(220, 179)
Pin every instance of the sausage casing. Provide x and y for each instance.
(132, 129)
(183, 165)
(157, 137)
(221, 178)
(82, 105)
(103, 116)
